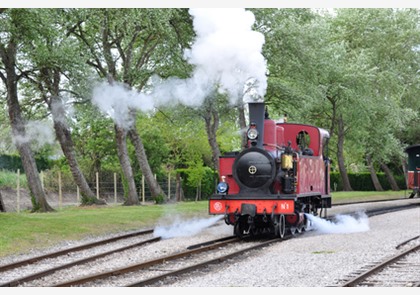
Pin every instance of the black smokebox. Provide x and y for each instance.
(256, 115)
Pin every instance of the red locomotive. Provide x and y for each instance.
(282, 174)
(413, 174)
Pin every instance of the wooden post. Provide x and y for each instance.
(78, 193)
(18, 191)
(169, 185)
(97, 185)
(60, 196)
(142, 189)
(42, 179)
(115, 188)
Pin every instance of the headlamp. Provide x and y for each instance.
(222, 187)
(252, 133)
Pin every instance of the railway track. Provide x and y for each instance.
(65, 252)
(153, 272)
(400, 270)
(195, 257)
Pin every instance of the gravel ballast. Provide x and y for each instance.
(314, 259)
(318, 258)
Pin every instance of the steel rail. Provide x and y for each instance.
(44, 273)
(139, 266)
(73, 249)
(201, 265)
(353, 282)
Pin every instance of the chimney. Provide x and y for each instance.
(256, 115)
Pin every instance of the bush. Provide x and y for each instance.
(13, 163)
(363, 181)
(9, 180)
(207, 184)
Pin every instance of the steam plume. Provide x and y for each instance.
(226, 56)
(38, 134)
(343, 224)
(185, 228)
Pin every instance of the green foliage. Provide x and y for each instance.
(206, 179)
(14, 162)
(9, 179)
(174, 138)
(86, 201)
(159, 199)
(363, 181)
(94, 138)
(361, 64)
(56, 176)
(36, 207)
(10, 162)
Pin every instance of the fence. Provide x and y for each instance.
(61, 189)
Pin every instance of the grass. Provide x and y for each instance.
(10, 179)
(338, 197)
(21, 232)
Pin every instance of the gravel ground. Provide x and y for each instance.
(316, 259)
(319, 258)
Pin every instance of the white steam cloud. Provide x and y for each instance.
(38, 134)
(117, 102)
(226, 56)
(343, 224)
(185, 228)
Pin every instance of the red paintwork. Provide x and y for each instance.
(225, 167)
(410, 179)
(291, 131)
(311, 175)
(282, 206)
(310, 170)
(270, 135)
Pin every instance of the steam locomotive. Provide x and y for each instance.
(282, 173)
(413, 175)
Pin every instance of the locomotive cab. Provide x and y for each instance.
(282, 174)
(413, 173)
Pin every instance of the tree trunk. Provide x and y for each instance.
(52, 78)
(198, 192)
(374, 177)
(179, 193)
(18, 130)
(121, 137)
(154, 186)
(405, 169)
(2, 207)
(67, 146)
(340, 157)
(390, 177)
(212, 124)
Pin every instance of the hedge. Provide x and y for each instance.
(363, 181)
(13, 163)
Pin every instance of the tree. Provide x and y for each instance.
(315, 74)
(377, 185)
(19, 28)
(141, 43)
(54, 55)
(390, 39)
(345, 72)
